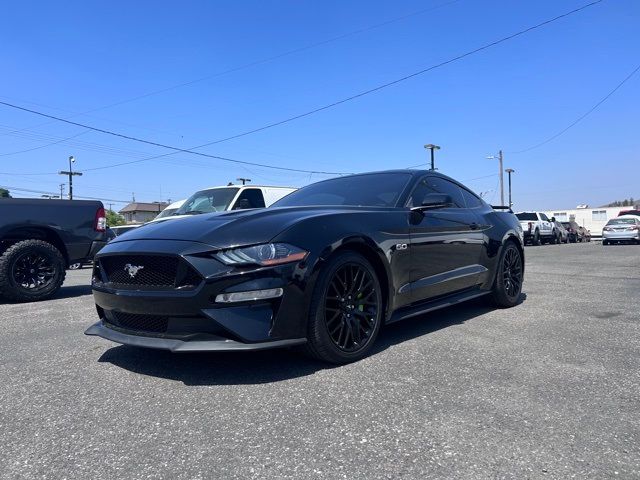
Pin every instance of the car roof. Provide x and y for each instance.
(245, 186)
(635, 217)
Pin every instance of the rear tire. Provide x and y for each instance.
(31, 270)
(346, 310)
(507, 285)
(536, 238)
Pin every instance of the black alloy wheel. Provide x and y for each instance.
(31, 270)
(509, 277)
(346, 310)
(512, 272)
(351, 307)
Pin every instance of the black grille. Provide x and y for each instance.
(142, 323)
(149, 271)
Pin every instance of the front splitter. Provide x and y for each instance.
(218, 344)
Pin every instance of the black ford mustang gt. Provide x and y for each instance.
(324, 267)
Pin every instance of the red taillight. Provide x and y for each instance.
(100, 223)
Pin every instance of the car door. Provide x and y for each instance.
(546, 227)
(446, 243)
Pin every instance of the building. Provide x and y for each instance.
(139, 212)
(592, 219)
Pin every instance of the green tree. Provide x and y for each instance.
(4, 193)
(114, 219)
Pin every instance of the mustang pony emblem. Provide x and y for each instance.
(133, 270)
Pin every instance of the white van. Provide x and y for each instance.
(231, 197)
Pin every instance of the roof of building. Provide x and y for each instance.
(144, 207)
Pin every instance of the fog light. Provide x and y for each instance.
(249, 296)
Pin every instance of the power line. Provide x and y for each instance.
(278, 56)
(43, 146)
(402, 79)
(162, 145)
(582, 117)
(256, 62)
(26, 190)
(290, 119)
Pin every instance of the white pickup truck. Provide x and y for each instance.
(538, 228)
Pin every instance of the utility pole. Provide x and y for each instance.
(71, 174)
(432, 147)
(110, 206)
(501, 173)
(243, 180)
(61, 190)
(509, 172)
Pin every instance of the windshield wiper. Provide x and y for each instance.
(193, 212)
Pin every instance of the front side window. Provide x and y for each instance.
(249, 198)
(367, 190)
(470, 199)
(544, 217)
(435, 185)
(207, 201)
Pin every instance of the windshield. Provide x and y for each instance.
(167, 212)
(526, 216)
(207, 201)
(622, 221)
(370, 190)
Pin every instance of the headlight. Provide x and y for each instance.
(267, 254)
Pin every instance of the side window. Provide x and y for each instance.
(440, 185)
(544, 217)
(470, 199)
(437, 185)
(249, 198)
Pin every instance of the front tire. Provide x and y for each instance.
(346, 310)
(31, 270)
(507, 285)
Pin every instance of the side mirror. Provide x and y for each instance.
(433, 201)
(553, 219)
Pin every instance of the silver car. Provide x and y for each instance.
(625, 228)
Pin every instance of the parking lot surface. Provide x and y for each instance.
(548, 389)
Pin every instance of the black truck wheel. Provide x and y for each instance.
(31, 270)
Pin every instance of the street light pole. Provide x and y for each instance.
(509, 172)
(71, 174)
(500, 161)
(243, 180)
(432, 147)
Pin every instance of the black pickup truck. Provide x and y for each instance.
(40, 238)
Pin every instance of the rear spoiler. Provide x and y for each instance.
(501, 207)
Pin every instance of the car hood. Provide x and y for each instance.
(231, 229)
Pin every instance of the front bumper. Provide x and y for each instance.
(210, 343)
(190, 319)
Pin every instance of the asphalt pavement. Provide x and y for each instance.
(548, 389)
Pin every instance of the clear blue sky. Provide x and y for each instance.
(65, 58)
